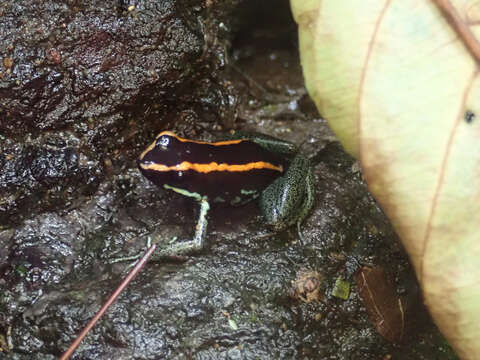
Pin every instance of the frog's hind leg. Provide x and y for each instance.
(289, 199)
(308, 201)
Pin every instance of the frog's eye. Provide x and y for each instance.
(163, 142)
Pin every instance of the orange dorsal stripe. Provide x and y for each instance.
(218, 143)
(213, 166)
(172, 134)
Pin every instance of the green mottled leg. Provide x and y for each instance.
(289, 199)
(308, 201)
(189, 246)
(277, 146)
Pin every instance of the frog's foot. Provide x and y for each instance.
(187, 247)
(133, 257)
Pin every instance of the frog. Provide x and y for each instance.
(239, 168)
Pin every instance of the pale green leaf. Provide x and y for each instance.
(396, 83)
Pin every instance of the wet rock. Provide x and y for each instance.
(83, 91)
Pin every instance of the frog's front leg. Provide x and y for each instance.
(289, 198)
(186, 247)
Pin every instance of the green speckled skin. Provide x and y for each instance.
(277, 146)
(289, 198)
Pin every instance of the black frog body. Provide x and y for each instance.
(232, 172)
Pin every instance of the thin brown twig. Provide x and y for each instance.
(109, 302)
(461, 27)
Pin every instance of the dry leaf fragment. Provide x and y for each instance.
(384, 307)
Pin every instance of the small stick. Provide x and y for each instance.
(109, 302)
(461, 27)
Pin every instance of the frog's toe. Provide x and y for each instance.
(276, 221)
